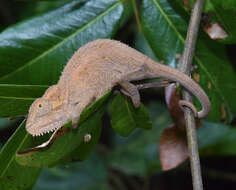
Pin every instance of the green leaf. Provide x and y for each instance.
(34, 52)
(16, 99)
(65, 148)
(125, 118)
(165, 29)
(12, 175)
(36, 7)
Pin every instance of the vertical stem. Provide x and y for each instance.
(185, 66)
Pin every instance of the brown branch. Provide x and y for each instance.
(185, 66)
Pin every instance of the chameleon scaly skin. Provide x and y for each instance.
(94, 69)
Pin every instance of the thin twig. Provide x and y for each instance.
(159, 84)
(185, 66)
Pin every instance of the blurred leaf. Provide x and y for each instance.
(12, 175)
(5, 122)
(221, 141)
(125, 118)
(34, 52)
(63, 148)
(165, 31)
(88, 175)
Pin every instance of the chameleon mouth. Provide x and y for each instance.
(39, 132)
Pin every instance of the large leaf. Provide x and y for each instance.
(12, 175)
(34, 52)
(16, 99)
(165, 31)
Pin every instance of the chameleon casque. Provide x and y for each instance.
(94, 69)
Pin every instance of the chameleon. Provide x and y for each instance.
(95, 68)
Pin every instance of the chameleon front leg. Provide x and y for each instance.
(78, 107)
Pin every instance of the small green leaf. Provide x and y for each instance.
(125, 118)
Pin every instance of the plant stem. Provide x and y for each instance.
(185, 66)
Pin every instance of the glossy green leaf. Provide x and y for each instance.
(34, 52)
(125, 118)
(12, 175)
(16, 99)
(64, 146)
(165, 29)
(85, 148)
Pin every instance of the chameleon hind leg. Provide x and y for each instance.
(131, 90)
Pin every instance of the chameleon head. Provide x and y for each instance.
(44, 116)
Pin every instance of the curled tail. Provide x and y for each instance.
(163, 71)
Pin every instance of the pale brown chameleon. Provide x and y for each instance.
(94, 69)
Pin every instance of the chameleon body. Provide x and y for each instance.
(94, 69)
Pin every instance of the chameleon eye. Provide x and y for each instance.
(43, 106)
